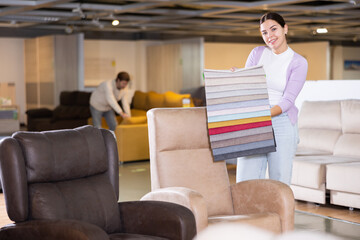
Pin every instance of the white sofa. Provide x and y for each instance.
(328, 156)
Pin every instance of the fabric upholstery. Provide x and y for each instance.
(131, 133)
(132, 141)
(344, 177)
(180, 157)
(315, 169)
(156, 99)
(328, 152)
(190, 142)
(348, 145)
(320, 114)
(175, 100)
(53, 177)
(238, 117)
(350, 115)
(140, 100)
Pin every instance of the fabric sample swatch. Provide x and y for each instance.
(238, 113)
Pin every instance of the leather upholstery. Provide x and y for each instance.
(54, 178)
(181, 161)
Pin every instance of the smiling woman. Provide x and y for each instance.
(285, 76)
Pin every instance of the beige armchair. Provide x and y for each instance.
(183, 172)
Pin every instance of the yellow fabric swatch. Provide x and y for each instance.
(237, 122)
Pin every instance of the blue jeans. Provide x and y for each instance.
(280, 162)
(108, 115)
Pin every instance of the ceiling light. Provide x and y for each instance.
(321, 30)
(115, 22)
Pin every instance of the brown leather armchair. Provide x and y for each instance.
(182, 171)
(64, 184)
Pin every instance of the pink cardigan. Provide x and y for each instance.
(295, 79)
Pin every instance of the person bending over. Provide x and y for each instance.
(104, 101)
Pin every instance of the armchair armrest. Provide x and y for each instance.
(155, 218)
(185, 197)
(52, 229)
(260, 196)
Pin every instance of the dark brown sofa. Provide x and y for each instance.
(73, 111)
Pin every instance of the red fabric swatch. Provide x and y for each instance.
(220, 130)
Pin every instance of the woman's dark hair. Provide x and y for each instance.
(273, 16)
(123, 76)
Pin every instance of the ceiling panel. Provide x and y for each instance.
(161, 19)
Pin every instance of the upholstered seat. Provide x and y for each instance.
(64, 184)
(183, 171)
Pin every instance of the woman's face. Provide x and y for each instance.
(274, 35)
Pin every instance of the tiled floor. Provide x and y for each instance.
(135, 182)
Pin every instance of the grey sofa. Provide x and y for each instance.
(328, 157)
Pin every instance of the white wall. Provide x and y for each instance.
(12, 69)
(326, 90)
(103, 59)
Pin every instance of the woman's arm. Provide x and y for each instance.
(297, 78)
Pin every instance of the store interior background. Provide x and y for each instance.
(36, 70)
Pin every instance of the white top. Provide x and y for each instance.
(106, 96)
(275, 66)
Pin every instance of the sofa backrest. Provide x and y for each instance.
(320, 125)
(73, 105)
(180, 156)
(348, 143)
(149, 100)
(71, 98)
(46, 178)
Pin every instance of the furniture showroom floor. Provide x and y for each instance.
(135, 182)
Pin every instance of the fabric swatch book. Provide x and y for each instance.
(238, 113)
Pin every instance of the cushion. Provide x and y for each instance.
(319, 139)
(350, 115)
(83, 98)
(63, 112)
(39, 113)
(68, 98)
(140, 101)
(156, 100)
(344, 177)
(320, 114)
(348, 145)
(174, 100)
(315, 169)
(48, 157)
(134, 120)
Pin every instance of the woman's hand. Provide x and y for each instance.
(275, 111)
(233, 69)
